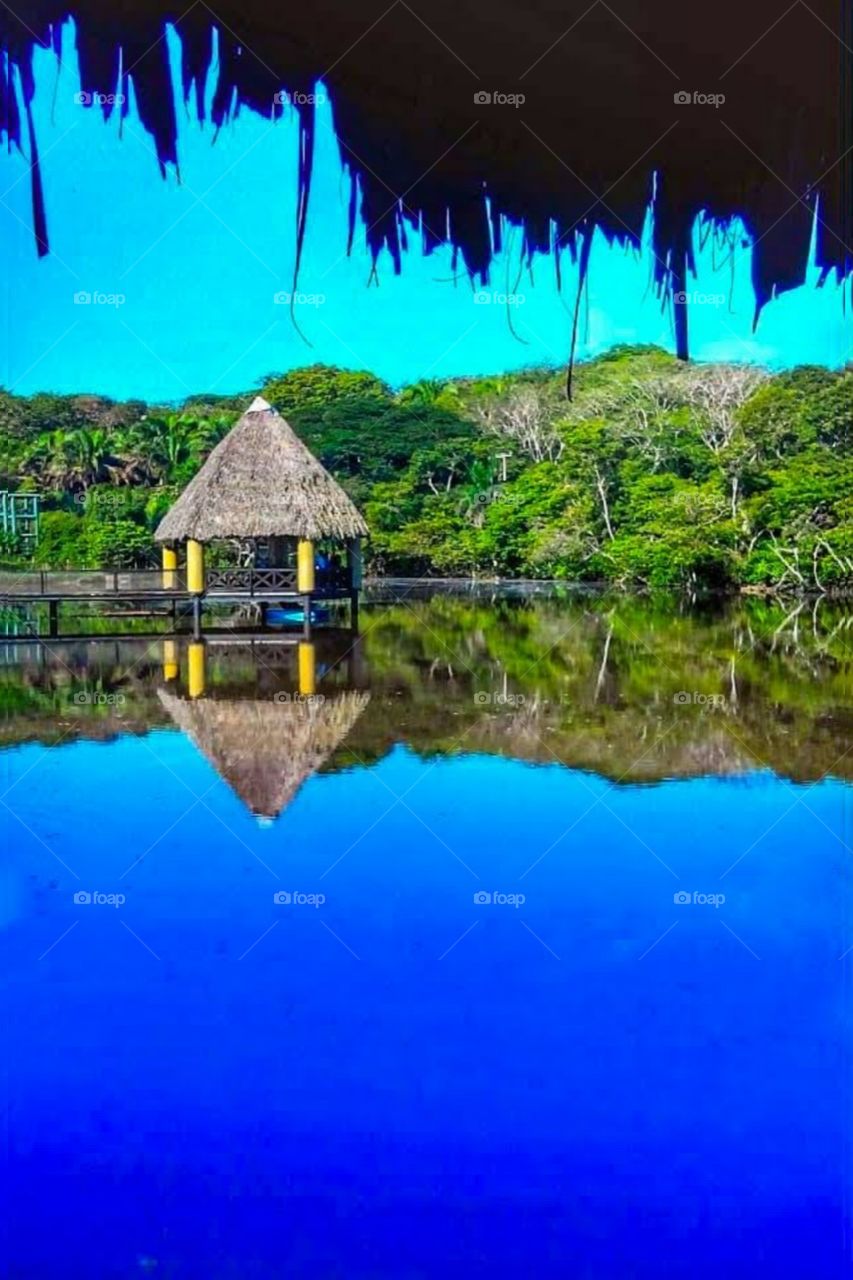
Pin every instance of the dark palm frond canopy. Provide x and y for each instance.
(261, 481)
(724, 110)
(266, 750)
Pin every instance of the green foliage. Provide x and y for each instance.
(317, 387)
(121, 544)
(656, 474)
(63, 541)
(103, 504)
(830, 414)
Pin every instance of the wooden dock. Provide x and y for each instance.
(158, 592)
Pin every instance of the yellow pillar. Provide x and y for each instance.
(170, 564)
(307, 669)
(195, 566)
(196, 675)
(170, 660)
(305, 566)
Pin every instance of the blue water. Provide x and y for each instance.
(402, 1082)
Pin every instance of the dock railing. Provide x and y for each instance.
(68, 584)
(100, 584)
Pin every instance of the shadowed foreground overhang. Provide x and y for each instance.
(598, 121)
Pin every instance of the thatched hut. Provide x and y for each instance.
(266, 750)
(263, 487)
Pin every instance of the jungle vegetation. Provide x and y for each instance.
(659, 475)
(627, 686)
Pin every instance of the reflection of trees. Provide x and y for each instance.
(599, 682)
(591, 683)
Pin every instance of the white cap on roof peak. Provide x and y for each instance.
(258, 405)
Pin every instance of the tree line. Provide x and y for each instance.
(657, 474)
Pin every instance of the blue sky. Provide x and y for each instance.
(198, 264)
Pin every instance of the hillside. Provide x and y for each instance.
(656, 475)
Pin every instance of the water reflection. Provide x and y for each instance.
(266, 750)
(632, 690)
(448, 1013)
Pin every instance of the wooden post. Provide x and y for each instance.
(53, 617)
(195, 566)
(170, 565)
(356, 564)
(356, 570)
(357, 672)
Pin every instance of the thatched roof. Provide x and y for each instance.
(265, 750)
(261, 482)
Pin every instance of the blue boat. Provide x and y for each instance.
(294, 615)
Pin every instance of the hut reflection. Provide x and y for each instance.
(265, 715)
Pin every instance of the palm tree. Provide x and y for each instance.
(174, 439)
(75, 460)
(478, 492)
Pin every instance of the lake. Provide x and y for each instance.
(512, 938)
